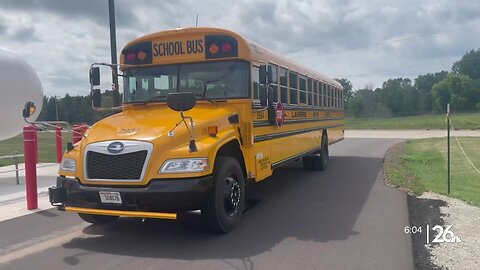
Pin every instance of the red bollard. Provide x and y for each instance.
(36, 144)
(58, 133)
(78, 131)
(30, 144)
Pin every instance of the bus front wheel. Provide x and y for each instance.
(225, 207)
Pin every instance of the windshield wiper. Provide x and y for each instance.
(151, 99)
(157, 98)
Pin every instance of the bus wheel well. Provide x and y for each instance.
(232, 149)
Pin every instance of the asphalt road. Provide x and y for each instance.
(343, 218)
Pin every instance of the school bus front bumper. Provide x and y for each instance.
(139, 214)
(160, 196)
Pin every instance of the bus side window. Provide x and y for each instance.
(283, 85)
(330, 96)
(315, 93)
(322, 94)
(310, 92)
(256, 82)
(274, 83)
(302, 89)
(293, 84)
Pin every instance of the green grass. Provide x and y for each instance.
(435, 121)
(423, 167)
(46, 147)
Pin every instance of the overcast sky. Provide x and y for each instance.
(366, 42)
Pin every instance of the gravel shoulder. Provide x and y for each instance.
(433, 209)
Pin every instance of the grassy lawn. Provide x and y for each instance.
(422, 166)
(434, 121)
(46, 147)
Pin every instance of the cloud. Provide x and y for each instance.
(96, 10)
(26, 34)
(364, 41)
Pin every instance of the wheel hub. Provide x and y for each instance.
(235, 194)
(232, 195)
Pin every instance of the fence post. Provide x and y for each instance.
(30, 143)
(58, 136)
(16, 167)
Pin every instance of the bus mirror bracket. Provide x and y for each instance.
(270, 107)
(181, 102)
(95, 84)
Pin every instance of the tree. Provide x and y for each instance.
(355, 106)
(469, 65)
(458, 90)
(399, 96)
(424, 84)
(347, 88)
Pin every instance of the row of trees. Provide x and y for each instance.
(428, 93)
(73, 109)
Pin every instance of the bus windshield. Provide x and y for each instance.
(211, 80)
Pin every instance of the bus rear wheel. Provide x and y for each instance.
(318, 161)
(225, 207)
(97, 219)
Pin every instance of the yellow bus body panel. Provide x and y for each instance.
(263, 145)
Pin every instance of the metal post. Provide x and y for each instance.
(30, 166)
(16, 167)
(113, 48)
(448, 146)
(58, 136)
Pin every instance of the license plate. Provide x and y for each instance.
(110, 197)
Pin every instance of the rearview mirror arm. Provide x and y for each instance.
(192, 146)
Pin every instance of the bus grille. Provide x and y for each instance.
(115, 167)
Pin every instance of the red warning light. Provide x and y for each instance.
(226, 47)
(131, 56)
(213, 49)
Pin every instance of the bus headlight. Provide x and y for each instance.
(184, 165)
(68, 165)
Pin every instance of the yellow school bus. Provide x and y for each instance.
(204, 111)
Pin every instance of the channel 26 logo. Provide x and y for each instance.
(435, 234)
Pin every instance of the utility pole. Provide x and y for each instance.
(113, 48)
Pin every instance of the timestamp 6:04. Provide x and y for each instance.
(412, 229)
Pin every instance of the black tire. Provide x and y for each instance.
(307, 162)
(320, 160)
(225, 208)
(97, 219)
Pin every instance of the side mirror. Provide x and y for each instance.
(96, 98)
(29, 109)
(181, 102)
(95, 76)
